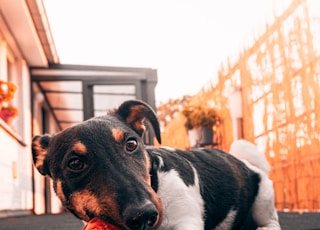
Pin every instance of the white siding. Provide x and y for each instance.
(16, 174)
(15, 151)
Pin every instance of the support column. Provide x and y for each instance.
(235, 106)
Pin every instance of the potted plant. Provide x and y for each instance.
(199, 124)
(7, 91)
(8, 113)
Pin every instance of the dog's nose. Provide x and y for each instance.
(141, 218)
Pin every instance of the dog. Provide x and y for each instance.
(101, 168)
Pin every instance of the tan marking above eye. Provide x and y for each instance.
(80, 148)
(118, 135)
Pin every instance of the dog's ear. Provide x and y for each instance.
(39, 153)
(134, 112)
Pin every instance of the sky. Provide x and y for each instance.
(185, 40)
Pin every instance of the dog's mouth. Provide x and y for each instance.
(99, 224)
(144, 214)
(144, 217)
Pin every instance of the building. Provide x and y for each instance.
(49, 97)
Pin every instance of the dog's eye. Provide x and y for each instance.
(131, 145)
(76, 164)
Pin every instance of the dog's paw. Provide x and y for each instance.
(98, 224)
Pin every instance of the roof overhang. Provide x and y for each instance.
(28, 24)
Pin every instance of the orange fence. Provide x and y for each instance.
(279, 77)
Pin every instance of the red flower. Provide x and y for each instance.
(7, 91)
(8, 113)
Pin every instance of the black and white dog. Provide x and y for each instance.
(101, 168)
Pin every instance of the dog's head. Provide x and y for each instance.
(100, 167)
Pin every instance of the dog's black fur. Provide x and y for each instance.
(236, 186)
(101, 168)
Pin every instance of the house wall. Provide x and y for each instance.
(16, 175)
(22, 188)
(15, 151)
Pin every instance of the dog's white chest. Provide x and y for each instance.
(183, 205)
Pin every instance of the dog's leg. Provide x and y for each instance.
(263, 210)
(183, 204)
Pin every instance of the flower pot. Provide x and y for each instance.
(200, 136)
(8, 115)
(7, 119)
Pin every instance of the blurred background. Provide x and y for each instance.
(214, 71)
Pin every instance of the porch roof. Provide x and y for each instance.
(26, 30)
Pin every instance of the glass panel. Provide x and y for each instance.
(107, 97)
(69, 115)
(65, 100)
(67, 125)
(103, 103)
(114, 89)
(62, 86)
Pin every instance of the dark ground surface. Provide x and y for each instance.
(305, 221)
(66, 221)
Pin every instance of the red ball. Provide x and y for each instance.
(98, 224)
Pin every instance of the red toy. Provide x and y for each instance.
(98, 224)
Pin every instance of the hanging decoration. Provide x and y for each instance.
(7, 92)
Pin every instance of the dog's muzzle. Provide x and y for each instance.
(141, 218)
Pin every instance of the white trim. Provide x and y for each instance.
(3, 61)
(6, 35)
(24, 31)
(60, 72)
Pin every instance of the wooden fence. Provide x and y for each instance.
(279, 78)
